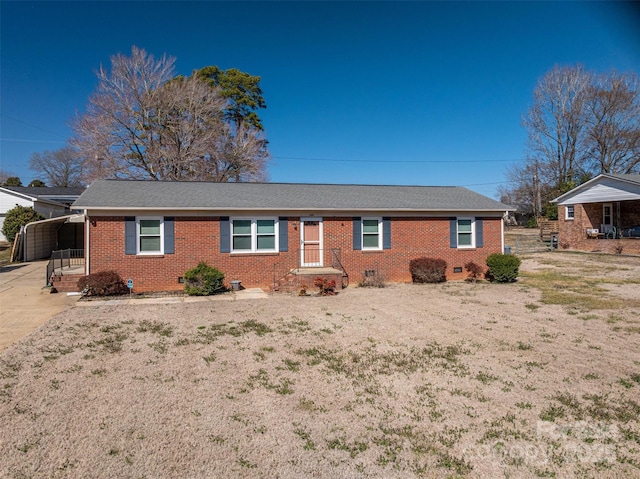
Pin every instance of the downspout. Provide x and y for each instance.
(506, 215)
(86, 251)
(23, 236)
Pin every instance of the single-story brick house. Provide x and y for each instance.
(262, 233)
(602, 214)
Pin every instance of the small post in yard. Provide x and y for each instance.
(130, 286)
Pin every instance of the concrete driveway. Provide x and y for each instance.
(24, 304)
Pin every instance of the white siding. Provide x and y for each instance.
(604, 191)
(9, 201)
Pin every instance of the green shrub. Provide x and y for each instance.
(16, 218)
(12, 181)
(103, 283)
(532, 223)
(503, 268)
(203, 280)
(551, 211)
(428, 270)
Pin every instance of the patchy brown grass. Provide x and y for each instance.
(5, 252)
(451, 380)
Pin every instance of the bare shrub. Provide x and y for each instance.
(371, 278)
(428, 270)
(474, 270)
(102, 283)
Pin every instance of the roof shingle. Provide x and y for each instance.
(129, 194)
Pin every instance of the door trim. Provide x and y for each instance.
(302, 241)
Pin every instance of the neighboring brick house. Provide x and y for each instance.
(262, 233)
(50, 202)
(602, 214)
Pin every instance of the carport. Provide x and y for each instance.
(40, 238)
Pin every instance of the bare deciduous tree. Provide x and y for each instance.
(4, 175)
(555, 125)
(144, 123)
(613, 124)
(61, 168)
(579, 125)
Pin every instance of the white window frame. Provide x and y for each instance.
(254, 235)
(567, 209)
(138, 235)
(363, 234)
(473, 232)
(604, 207)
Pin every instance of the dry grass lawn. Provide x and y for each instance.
(539, 378)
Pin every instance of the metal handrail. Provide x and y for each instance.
(64, 258)
(337, 264)
(280, 270)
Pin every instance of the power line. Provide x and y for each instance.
(31, 125)
(297, 158)
(486, 184)
(31, 141)
(388, 161)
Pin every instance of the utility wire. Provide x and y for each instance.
(388, 161)
(31, 141)
(31, 125)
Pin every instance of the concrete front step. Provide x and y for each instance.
(304, 278)
(67, 283)
(318, 271)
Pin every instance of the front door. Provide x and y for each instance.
(311, 241)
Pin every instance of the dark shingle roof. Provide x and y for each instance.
(627, 177)
(46, 191)
(125, 194)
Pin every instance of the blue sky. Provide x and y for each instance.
(426, 93)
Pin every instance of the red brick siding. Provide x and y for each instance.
(410, 238)
(198, 238)
(573, 233)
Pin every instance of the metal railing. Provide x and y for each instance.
(64, 258)
(336, 263)
(313, 258)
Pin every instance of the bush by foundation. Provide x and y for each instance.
(203, 280)
(102, 283)
(428, 270)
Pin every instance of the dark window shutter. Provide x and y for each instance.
(453, 232)
(386, 233)
(169, 243)
(357, 233)
(479, 240)
(130, 235)
(225, 235)
(283, 232)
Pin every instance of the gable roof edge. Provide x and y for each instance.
(588, 183)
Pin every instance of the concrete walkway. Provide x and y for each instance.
(26, 304)
(250, 293)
